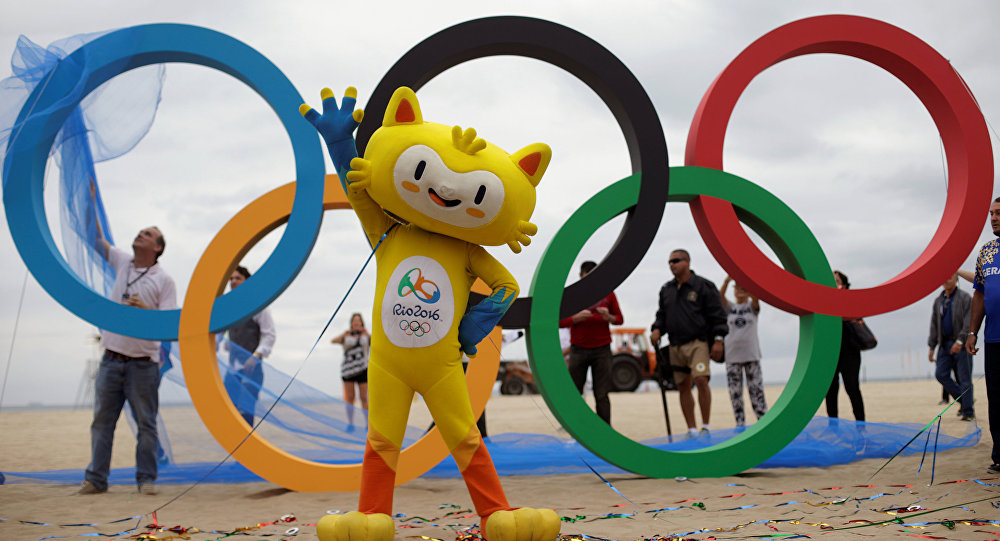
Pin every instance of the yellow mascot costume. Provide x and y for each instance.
(433, 195)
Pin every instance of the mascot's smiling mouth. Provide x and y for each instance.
(442, 201)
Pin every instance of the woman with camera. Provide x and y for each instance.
(354, 370)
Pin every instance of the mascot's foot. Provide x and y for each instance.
(524, 524)
(356, 526)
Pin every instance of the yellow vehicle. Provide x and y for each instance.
(515, 378)
(634, 360)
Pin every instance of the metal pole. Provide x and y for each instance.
(663, 389)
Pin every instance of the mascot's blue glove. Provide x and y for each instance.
(481, 319)
(336, 125)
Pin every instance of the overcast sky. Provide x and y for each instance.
(844, 144)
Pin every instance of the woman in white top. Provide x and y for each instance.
(354, 370)
(743, 352)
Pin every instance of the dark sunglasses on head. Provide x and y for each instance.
(676, 260)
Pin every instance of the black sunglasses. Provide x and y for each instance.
(676, 260)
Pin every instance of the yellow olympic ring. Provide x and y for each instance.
(209, 396)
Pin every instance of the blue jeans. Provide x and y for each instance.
(992, 365)
(118, 381)
(961, 363)
(244, 386)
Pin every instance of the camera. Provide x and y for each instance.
(125, 296)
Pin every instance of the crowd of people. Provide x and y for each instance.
(701, 325)
(697, 319)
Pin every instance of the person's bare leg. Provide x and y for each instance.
(349, 400)
(704, 399)
(363, 395)
(687, 401)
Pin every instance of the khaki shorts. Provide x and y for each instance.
(691, 356)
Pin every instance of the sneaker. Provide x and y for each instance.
(968, 418)
(89, 488)
(995, 468)
(943, 403)
(149, 489)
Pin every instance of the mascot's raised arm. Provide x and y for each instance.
(436, 194)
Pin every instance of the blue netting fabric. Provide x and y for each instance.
(109, 122)
(824, 442)
(298, 418)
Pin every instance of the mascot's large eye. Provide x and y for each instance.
(420, 170)
(480, 194)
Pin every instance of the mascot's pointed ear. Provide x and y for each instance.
(533, 160)
(403, 109)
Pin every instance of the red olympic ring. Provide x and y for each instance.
(954, 111)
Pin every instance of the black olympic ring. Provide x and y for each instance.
(600, 70)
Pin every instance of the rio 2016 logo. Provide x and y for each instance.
(719, 201)
(407, 286)
(420, 309)
(420, 327)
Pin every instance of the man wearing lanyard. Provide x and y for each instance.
(129, 369)
(986, 303)
(949, 327)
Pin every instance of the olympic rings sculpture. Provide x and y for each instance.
(719, 201)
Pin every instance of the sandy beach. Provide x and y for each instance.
(839, 502)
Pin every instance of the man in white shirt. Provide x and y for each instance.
(130, 367)
(250, 341)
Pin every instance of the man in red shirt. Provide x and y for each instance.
(590, 346)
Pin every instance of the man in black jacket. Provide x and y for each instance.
(949, 327)
(690, 314)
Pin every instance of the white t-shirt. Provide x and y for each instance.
(156, 290)
(742, 343)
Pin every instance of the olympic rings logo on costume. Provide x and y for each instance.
(805, 289)
(407, 286)
(414, 328)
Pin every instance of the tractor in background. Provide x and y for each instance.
(634, 360)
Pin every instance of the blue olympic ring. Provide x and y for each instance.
(73, 79)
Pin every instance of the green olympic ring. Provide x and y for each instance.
(815, 360)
